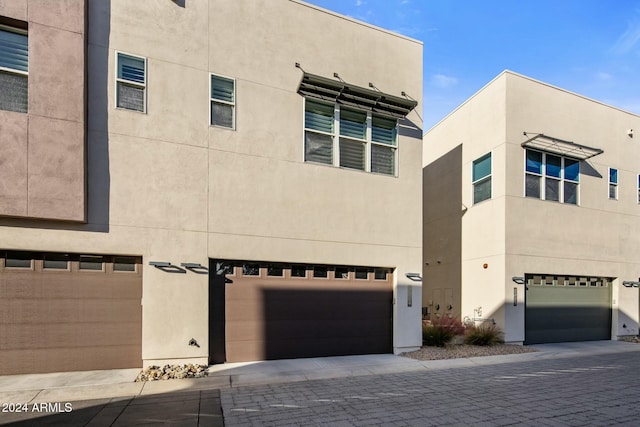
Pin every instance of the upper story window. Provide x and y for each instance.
(638, 188)
(613, 184)
(551, 177)
(223, 102)
(349, 138)
(14, 69)
(481, 177)
(131, 82)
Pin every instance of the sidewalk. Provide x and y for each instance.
(76, 386)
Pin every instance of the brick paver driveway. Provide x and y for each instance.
(598, 390)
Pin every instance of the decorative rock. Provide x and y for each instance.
(168, 372)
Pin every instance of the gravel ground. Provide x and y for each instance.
(455, 351)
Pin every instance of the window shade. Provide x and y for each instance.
(222, 89)
(382, 159)
(318, 117)
(318, 148)
(482, 167)
(13, 92)
(14, 51)
(351, 154)
(383, 130)
(353, 124)
(131, 69)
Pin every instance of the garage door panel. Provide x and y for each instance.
(274, 318)
(68, 335)
(69, 310)
(69, 359)
(559, 313)
(68, 320)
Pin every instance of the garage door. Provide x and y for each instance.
(277, 311)
(567, 308)
(64, 312)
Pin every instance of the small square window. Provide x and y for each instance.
(342, 273)
(275, 270)
(298, 271)
(380, 274)
(131, 82)
(91, 262)
(250, 270)
(320, 272)
(223, 101)
(55, 261)
(121, 263)
(362, 273)
(18, 259)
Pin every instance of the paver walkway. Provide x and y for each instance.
(596, 390)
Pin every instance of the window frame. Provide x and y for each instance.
(336, 136)
(616, 184)
(544, 175)
(14, 71)
(220, 101)
(127, 82)
(483, 179)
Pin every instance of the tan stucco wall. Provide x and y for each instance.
(43, 172)
(168, 187)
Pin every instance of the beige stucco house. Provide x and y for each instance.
(205, 181)
(532, 214)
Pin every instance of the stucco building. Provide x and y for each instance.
(532, 214)
(205, 181)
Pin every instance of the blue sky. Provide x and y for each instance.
(590, 47)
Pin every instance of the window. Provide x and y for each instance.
(380, 274)
(250, 270)
(613, 184)
(482, 178)
(362, 273)
(365, 141)
(131, 82)
(638, 188)
(342, 273)
(320, 272)
(18, 259)
(14, 69)
(55, 261)
(275, 270)
(223, 101)
(298, 271)
(551, 177)
(121, 263)
(91, 262)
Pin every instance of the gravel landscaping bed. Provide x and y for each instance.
(455, 351)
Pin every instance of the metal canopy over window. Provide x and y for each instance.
(313, 86)
(550, 144)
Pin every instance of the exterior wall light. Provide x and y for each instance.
(414, 277)
(167, 267)
(631, 284)
(518, 280)
(195, 268)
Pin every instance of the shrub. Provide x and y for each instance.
(484, 334)
(441, 331)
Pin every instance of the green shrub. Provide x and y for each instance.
(441, 331)
(484, 334)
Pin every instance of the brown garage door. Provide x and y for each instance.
(276, 311)
(61, 312)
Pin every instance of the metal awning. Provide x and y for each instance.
(553, 145)
(319, 87)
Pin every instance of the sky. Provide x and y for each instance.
(590, 47)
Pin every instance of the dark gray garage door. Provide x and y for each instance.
(562, 308)
(69, 312)
(278, 311)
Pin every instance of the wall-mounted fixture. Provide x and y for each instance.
(414, 277)
(194, 343)
(630, 133)
(631, 284)
(518, 280)
(196, 268)
(167, 267)
(485, 265)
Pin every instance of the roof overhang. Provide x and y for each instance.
(561, 147)
(340, 92)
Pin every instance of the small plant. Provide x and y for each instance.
(441, 331)
(484, 334)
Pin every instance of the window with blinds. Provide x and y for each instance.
(14, 69)
(131, 82)
(349, 138)
(481, 176)
(223, 101)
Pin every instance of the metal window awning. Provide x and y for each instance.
(319, 87)
(553, 145)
